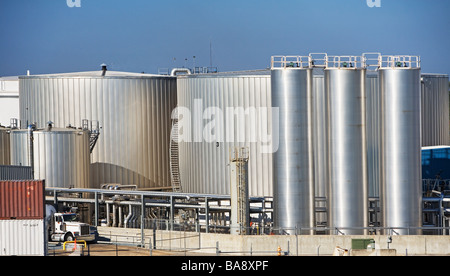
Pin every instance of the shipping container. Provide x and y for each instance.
(22, 199)
(23, 237)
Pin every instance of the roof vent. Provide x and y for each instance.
(104, 69)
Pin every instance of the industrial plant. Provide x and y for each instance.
(314, 155)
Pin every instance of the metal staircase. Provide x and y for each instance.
(174, 160)
(94, 130)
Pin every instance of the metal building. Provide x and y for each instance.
(345, 89)
(435, 106)
(60, 156)
(293, 178)
(4, 146)
(401, 190)
(133, 111)
(217, 113)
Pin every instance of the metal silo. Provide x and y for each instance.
(4, 146)
(61, 156)
(217, 113)
(345, 89)
(401, 190)
(132, 109)
(435, 106)
(293, 179)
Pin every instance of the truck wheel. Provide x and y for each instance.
(68, 237)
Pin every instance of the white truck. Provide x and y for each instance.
(65, 227)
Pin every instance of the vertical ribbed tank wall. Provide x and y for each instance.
(60, 156)
(401, 189)
(293, 185)
(132, 109)
(345, 89)
(211, 98)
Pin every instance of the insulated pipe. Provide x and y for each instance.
(176, 70)
(128, 218)
(114, 216)
(120, 216)
(108, 220)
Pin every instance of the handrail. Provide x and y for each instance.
(294, 62)
(75, 241)
(398, 61)
(347, 62)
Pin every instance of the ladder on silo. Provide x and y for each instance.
(174, 157)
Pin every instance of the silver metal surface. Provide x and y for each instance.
(204, 164)
(15, 172)
(374, 134)
(320, 141)
(345, 89)
(133, 111)
(293, 178)
(61, 156)
(435, 106)
(26, 237)
(401, 189)
(4, 146)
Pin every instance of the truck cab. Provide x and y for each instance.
(66, 227)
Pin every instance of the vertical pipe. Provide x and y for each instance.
(142, 220)
(31, 148)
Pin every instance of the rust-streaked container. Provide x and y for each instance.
(22, 199)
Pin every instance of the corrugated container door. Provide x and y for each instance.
(23, 237)
(22, 199)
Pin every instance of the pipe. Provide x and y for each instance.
(104, 69)
(30, 147)
(128, 218)
(120, 216)
(108, 221)
(176, 70)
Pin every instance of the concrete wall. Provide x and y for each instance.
(208, 243)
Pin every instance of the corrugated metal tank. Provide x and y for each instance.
(345, 89)
(133, 111)
(4, 146)
(435, 106)
(401, 190)
(61, 156)
(293, 163)
(204, 160)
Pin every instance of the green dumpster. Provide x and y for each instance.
(362, 243)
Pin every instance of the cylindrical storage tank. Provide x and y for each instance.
(401, 189)
(435, 107)
(217, 113)
(61, 157)
(293, 179)
(133, 111)
(4, 146)
(347, 200)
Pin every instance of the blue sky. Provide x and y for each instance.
(46, 36)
